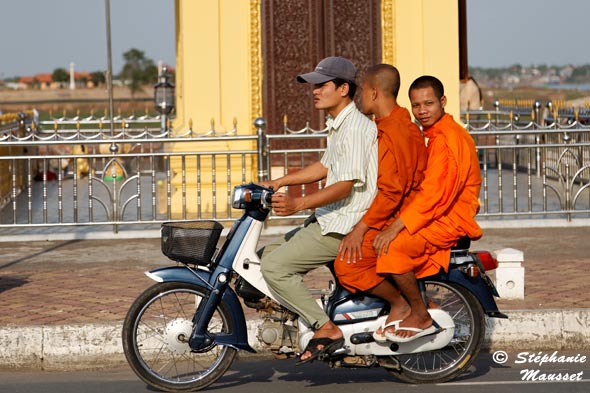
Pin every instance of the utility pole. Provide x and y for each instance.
(109, 66)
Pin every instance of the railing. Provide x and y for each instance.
(80, 173)
(11, 175)
(76, 173)
(290, 151)
(530, 169)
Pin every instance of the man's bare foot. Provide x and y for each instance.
(432, 304)
(412, 322)
(327, 330)
(396, 314)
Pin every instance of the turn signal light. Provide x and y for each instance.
(487, 259)
(247, 196)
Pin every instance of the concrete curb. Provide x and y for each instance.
(95, 346)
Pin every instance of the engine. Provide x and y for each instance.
(279, 335)
(278, 331)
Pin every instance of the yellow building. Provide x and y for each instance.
(229, 68)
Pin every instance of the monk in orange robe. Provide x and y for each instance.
(402, 161)
(418, 242)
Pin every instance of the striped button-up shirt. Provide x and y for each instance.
(351, 155)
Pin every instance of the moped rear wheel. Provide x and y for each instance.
(155, 339)
(449, 362)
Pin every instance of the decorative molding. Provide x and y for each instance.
(388, 31)
(256, 68)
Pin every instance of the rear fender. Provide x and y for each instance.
(478, 287)
(239, 337)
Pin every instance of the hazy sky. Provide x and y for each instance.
(505, 32)
(42, 35)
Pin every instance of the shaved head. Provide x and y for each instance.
(384, 77)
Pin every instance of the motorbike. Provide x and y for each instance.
(183, 333)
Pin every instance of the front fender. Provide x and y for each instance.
(181, 274)
(239, 337)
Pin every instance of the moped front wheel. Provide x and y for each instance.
(454, 359)
(156, 331)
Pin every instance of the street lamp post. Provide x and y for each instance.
(164, 96)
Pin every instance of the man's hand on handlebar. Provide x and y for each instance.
(285, 205)
(274, 184)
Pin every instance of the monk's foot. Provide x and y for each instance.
(396, 315)
(412, 325)
(431, 304)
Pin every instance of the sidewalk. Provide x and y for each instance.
(66, 289)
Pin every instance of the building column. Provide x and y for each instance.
(421, 37)
(218, 85)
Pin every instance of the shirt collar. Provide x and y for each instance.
(334, 123)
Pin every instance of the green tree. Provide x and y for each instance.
(581, 74)
(137, 70)
(60, 75)
(97, 78)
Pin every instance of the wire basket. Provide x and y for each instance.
(190, 242)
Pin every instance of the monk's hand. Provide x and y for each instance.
(285, 205)
(383, 239)
(350, 248)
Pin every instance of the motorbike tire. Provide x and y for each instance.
(155, 338)
(454, 359)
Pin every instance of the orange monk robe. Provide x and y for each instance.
(402, 161)
(445, 207)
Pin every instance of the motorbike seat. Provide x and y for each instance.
(463, 244)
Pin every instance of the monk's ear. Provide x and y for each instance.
(443, 101)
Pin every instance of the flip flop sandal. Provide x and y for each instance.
(380, 337)
(432, 329)
(330, 345)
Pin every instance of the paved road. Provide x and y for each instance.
(70, 297)
(255, 375)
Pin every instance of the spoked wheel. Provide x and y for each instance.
(156, 333)
(452, 360)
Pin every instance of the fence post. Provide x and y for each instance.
(22, 124)
(537, 109)
(497, 108)
(538, 124)
(262, 148)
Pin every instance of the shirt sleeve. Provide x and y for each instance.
(389, 192)
(437, 189)
(349, 156)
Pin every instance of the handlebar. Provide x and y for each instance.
(248, 196)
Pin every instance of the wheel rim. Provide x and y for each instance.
(458, 351)
(161, 332)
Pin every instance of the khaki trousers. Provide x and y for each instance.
(287, 261)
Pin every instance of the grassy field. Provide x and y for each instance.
(565, 97)
(81, 102)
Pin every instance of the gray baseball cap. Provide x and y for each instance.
(328, 69)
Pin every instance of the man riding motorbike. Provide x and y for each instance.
(349, 167)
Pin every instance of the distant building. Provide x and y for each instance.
(39, 81)
(45, 81)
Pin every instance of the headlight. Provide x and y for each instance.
(247, 196)
(239, 197)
